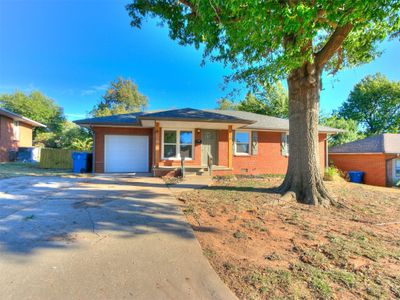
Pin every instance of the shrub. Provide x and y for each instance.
(332, 174)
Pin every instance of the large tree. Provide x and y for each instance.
(264, 41)
(375, 104)
(35, 106)
(121, 97)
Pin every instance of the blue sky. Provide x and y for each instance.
(71, 50)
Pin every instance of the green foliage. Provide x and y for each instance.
(252, 104)
(226, 104)
(71, 136)
(350, 126)
(35, 106)
(85, 144)
(263, 41)
(375, 104)
(272, 100)
(121, 97)
(332, 173)
(55, 159)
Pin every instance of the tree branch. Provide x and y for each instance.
(332, 45)
(190, 5)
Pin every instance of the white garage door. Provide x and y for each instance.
(126, 153)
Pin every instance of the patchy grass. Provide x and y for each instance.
(15, 169)
(264, 248)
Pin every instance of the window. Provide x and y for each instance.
(397, 168)
(16, 130)
(242, 142)
(177, 144)
(169, 143)
(185, 143)
(285, 144)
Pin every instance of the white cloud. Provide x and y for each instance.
(94, 89)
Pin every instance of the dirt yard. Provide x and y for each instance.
(265, 249)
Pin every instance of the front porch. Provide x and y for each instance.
(205, 148)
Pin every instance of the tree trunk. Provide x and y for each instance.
(304, 177)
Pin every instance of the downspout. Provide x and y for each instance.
(326, 152)
(93, 151)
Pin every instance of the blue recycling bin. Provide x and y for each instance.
(81, 162)
(356, 176)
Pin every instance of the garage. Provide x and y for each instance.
(126, 153)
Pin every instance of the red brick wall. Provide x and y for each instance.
(374, 165)
(269, 159)
(100, 132)
(7, 140)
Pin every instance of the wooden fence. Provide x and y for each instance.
(55, 158)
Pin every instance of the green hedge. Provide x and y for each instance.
(55, 158)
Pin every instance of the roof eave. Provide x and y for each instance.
(237, 121)
(20, 118)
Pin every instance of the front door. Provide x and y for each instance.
(209, 144)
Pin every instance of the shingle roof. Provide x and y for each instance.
(248, 119)
(190, 114)
(382, 143)
(268, 122)
(17, 117)
(122, 119)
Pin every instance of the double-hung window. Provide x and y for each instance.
(242, 142)
(177, 144)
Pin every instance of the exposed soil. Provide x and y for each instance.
(264, 248)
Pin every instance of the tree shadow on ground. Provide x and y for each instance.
(269, 190)
(51, 212)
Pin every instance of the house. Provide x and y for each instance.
(15, 132)
(229, 142)
(378, 156)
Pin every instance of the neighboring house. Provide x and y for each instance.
(238, 142)
(378, 156)
(15, 131)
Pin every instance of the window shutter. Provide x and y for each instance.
(233, 140)
(284, 144)
(254, 142)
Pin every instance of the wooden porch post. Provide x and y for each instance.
(157, 144)
(230, 146)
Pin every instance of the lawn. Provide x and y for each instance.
(14, 169)
(264, 248)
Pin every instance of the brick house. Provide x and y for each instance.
(15, 131)
(378, 156)
(228, 142)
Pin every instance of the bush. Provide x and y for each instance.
(332, 174)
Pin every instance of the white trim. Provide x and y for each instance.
(177, 144)
(235, 148)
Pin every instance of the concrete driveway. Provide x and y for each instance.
(99, 238)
